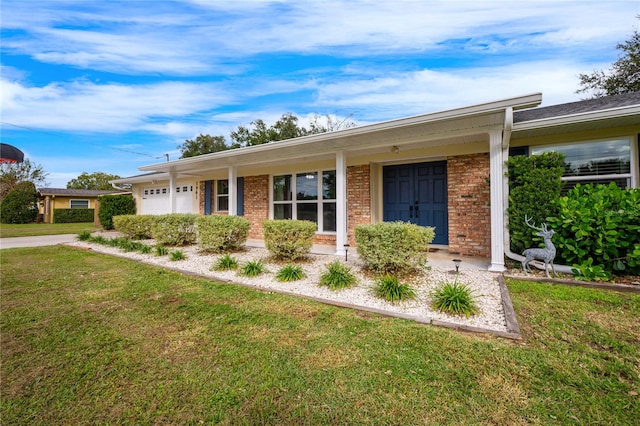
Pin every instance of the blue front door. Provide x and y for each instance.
(417, 193)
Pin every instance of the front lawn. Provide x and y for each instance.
(35, 229)
(93, 339)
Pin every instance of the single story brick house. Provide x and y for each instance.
(51, 199)
(444, 169)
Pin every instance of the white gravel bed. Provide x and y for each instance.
(484, 284)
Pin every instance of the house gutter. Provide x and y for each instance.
(506, 138)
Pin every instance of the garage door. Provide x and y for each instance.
(156, 200)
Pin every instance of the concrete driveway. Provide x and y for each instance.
(41, 240)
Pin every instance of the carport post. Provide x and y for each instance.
(172, 192)
(341, 203)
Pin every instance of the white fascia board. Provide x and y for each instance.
(142, 179)
(578, 118)
(520, 102)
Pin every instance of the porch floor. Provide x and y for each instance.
(438, 257)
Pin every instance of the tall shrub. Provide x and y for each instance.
(221, 233)
(599, 225)
(393, 247)
(20, 205)
(114, 205)
(534, 187)
(288, 239)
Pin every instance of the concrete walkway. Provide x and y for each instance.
(38, 241)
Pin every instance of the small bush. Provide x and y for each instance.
(73, 215)
(114, 205)
(20, 205)
(455, 298)
(84, 235)
(393, 247)
(177, 229)
(134, 226)
(288, 239)
(161, 251)
(221, 233)
(225, 263)
(338, 276)
(389, 288)
(253, 268)
(290, 273)
(98, 239)
(178, 255)
(145, 249)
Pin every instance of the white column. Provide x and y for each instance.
(341, 203)
(497, 201)
(233, 191)
(173, 182)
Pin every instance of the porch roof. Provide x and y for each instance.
(460, 125)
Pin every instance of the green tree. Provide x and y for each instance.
(11, 174)
(623, 77)
(96, 180)
(202, 144)
(20, 205)
(258, 133)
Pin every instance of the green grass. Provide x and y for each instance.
(92, 339)
(36, 229)
(290, 272)
(455, 299)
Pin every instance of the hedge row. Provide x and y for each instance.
(73, 215)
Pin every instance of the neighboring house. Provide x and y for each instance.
(51, 199)
(443, 169)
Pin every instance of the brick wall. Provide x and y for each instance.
(469, 205)
(256, 203)
(358, 198)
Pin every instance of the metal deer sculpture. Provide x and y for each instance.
(546, 254)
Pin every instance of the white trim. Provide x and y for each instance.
(172, 192)
(233, 191)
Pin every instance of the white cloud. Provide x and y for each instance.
(85, 106)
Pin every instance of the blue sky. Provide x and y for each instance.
(110, 86)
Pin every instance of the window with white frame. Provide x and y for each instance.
(78, 204)
(306, 196)
(594, 162)
(222, 195)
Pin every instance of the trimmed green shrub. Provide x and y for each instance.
(137, 227)
(290, 273)
(177, 229)
(390, 288)
(73, 215)
(253, 268)
(20, 205)
(114, 205)
(221, 233)
(225, 263)
(393, 247)
(455, 298)
(288, 239)
(534, 187)
(338, 276)
(598, 226)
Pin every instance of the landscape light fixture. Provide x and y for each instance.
(457, 262)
